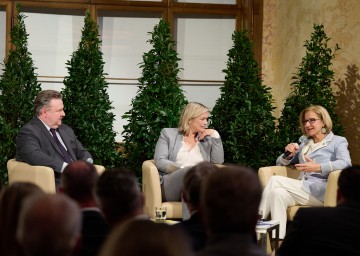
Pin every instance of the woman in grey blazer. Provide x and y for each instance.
(180, 148)
(319, 153)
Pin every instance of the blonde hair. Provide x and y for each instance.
(190, 112)
(322, 113)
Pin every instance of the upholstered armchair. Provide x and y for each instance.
(42, 176)
(152, 192)
(265, 174)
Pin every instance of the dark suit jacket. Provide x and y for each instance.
(324, 231)
(36, 146)
(232, 244)
(94, 232)
(195, 231)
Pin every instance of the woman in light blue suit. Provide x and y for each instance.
(180, 148)
(319, 153)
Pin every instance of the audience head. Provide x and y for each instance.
(230, 198)
(78, 181)
(49, 225)
(192, 182)
(11, 203)
(322, 114)
(144, 237)
(349, 184)
(189, 113)
(119, 195)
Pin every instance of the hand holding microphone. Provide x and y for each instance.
(292, 148)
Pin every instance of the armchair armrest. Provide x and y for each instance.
(99, 169)
(40, 175)
(151, 187)
(331, 188)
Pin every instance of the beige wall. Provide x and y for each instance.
(287, 24)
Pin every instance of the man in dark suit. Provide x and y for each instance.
(229, 203)
(78, 181)
(328, 230)
(193, 227)
(44, 140)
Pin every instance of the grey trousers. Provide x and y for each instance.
(172, 185)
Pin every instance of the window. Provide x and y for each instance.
(2, 37)
(201, 28)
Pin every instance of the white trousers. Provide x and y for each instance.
(280, 193)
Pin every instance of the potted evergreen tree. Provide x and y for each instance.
(86, 101)
(159, 99)
(311, 86)
(243, 113)
(18, 89)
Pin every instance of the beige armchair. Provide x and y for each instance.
(265, 174)
(42, 176)
(152, 192)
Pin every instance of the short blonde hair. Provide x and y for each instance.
(322, 113)
(190, 112)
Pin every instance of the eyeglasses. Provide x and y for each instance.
(310, 120)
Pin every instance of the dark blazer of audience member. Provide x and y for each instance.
(50, 225)
(194, 227)
(177, 149)
(78, 181)
(35, 144)
(229, 204)
(11, 203)
(328, 230)
(119, 196)
(141, 237)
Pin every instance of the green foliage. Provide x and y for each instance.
(243, 113)
(159, 99)
(86, 101)
(311, 86)
(18, 89)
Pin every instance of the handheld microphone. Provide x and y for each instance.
(287, 153)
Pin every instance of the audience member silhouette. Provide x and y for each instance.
(78, 181)
(11, 202)
(119, 196)
(142, 237)
(194, 227)
(229, 204)
(328, 230)
(49, 225)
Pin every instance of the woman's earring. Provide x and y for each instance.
(323, 130)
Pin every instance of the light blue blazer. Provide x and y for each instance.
(333, 154)
(169, 144)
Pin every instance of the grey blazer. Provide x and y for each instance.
(333, 154)
(169, 144)
(36, 146)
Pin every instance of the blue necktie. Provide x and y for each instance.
(64, 152)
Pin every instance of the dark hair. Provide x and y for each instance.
(192, 181)
(349, 183)
(79, 179)
(43, 99)
(141, 237)
(230, 199)
(118, 192)
(11, 203)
